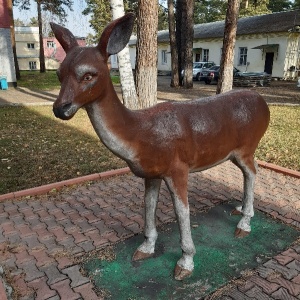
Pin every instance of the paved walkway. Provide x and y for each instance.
(44, 238)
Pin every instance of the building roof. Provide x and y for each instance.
(276, 22)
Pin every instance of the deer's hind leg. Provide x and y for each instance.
(177, 185)
(147, 248)
(248, 168)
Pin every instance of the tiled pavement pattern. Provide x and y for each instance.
(41, 237)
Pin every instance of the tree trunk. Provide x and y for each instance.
(42, 53)
(185, 28)
(226, 67)
(13, 39)
(126, 77)
(174, 53)
(146, 55)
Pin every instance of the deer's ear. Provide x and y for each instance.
(64, 36)
(116, 35)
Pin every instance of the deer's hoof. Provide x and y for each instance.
(181, 274)
(139, 255)
(236, 212)
(240, 233)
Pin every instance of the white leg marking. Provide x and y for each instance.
(151, 196)
(183, 216)
(248, 199)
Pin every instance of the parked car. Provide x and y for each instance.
(198, 67)
(251, 79)
(212, 75)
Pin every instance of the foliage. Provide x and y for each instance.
(101, 15)
(56, 7)
(254, 8)
(279, 5)
(209, 11)
(18, 22)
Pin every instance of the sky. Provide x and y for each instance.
(77, 23)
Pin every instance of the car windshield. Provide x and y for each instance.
(214, 68)
(197, 66)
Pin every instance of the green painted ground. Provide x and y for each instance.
(220, 257)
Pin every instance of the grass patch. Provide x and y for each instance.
(40, 81)
(36, 148)
(46, 81)
(281, 143)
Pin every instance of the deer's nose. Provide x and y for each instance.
(61, 111)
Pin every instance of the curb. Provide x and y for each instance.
(44, 189)
(278, 169)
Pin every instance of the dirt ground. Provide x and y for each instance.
(279, 92)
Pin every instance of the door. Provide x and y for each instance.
(269, 62)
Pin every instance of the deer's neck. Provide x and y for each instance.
(110, 118)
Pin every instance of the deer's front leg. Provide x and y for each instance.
(178, 189)
(146, 250)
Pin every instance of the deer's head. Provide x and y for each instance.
(84, 74)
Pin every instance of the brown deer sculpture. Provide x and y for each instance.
(166, 141)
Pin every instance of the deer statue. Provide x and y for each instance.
(166, 141)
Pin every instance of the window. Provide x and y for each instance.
(50, 44)
(30, 45)
(32, 65)
(205, 54)
(164, 57)
(243, 56)
(198, 57)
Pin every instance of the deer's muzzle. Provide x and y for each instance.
(66, 111)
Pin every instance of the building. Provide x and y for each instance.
(28, 49)
(7, 63)
(267, 43)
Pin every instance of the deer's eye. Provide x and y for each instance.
(87, 77)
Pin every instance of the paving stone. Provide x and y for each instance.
(59, 233)
(257, 293)
(103, 229)
(8, 228)
(58, 214)
(267, 286)
(53, 274)
(286, 272)
(283, 259)
(293, 288)
(33, 242)
(283, 294)
(295, 265)
(237, 295)
(121, 231)
(25, 230)
(87, 246)
(41, 256)
(64, 290)
(24, 291)
(64, 262)
(31, 271)
(86, 292)
(76, 277)
(41, 288)
(23, 256)
(78, 236)
(84, 225)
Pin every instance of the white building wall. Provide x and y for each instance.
(7, 63)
